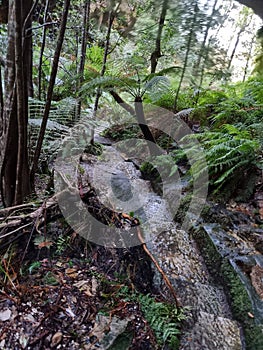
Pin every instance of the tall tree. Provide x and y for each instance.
(245, 17)
(202, 50)
(112, 15)
(157, 51)
(84, 42)
(15, 184)
(188, 49)
(50, 91)
(42, 49)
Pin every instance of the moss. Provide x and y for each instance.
(149, 172)
(209, 252)
(223, 272)
(95, 149)
(183, 208)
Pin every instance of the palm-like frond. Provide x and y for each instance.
(156, 87)
(162, 72)
(109, 83)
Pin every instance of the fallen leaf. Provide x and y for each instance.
(5, 315)
(94, 285)
(56, 339)
(71, 272)
(84, 286)
(44, 244)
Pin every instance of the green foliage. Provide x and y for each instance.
(228, 152)
(231, 152)
(62, 243)
(163, 318)
(153, 86)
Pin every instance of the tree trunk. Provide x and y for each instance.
(50, 91)
(202, 49)
(1, 103)
(226, 15)
(85, 31)
(188, 49)
(15, 184)
(153, 148)
(22, 187)
(249, 57)
(112, 15)
(157, 51)
(43, 44)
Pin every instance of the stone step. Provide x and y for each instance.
(211, 332)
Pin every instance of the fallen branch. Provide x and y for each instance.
(165, 278)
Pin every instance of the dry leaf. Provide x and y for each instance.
(84, 286)
(45, 244)
(56, 339)
(71, 272)
(5, 315)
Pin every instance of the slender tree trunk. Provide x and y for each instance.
(85, 31)
(226, 15)
(22, 169)
(43, 44)
(153, 148)
(50, 91)
(157, 51)
(122, 103)
(248, 57)
(202, 49)
(235, 48)
(28, 9)
(112, 15)
(1, 104)
(188, 49)
(242, 29)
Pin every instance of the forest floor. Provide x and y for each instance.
(67, 293)
(73, 299)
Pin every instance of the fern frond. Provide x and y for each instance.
(162, 72)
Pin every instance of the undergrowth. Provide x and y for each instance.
(163, 318)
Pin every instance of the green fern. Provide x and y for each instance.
(163, 318)
(229, 152)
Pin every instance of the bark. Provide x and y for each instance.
(249, 57)
(121, 102)
(50, 91)
(157, 51)
(1, 103)
(22, 187)
(226, 15)
(240, 32)
(15, 185)
(153, 148)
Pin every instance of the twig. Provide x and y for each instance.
(166, 279)
(16, 230)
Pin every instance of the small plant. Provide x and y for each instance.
(163, 318)
(62, 243)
